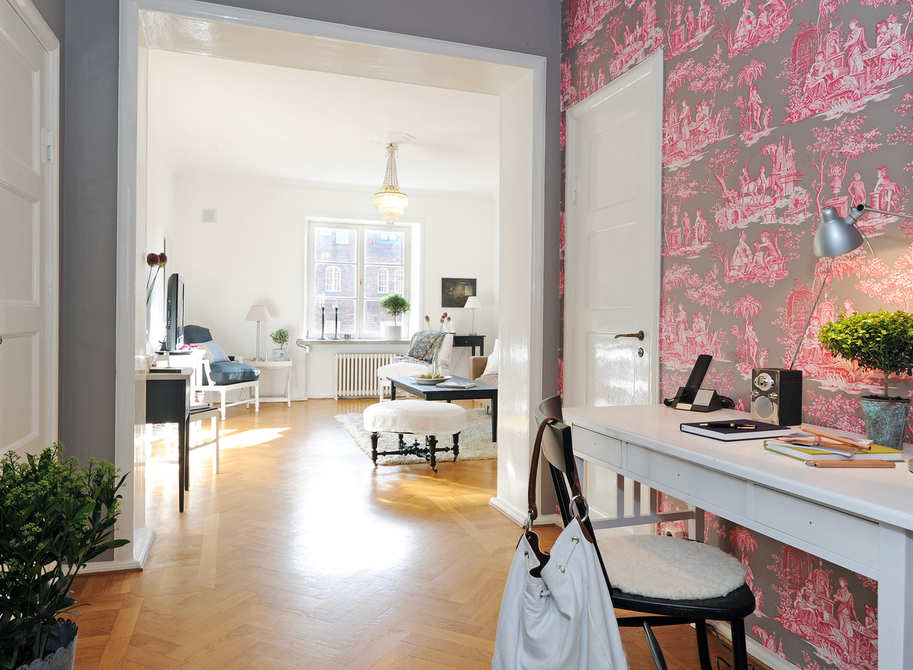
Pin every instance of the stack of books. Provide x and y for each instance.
(828, 450)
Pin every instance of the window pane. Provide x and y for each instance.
(376, 318)
(334, 244)
(374, 281)
(346, 317)
(386, 247)
(335, 281)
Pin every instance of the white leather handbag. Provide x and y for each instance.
(556, 612)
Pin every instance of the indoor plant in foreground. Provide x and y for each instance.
(880, 341)
(394, 304)
(55, 516)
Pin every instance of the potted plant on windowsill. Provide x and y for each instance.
(279, 337)
(394, 304)
(55, 516)
(880, 341)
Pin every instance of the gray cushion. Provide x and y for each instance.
(196, 334)
(229, 372)
(491, 380)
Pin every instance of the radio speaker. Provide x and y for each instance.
(776, 396)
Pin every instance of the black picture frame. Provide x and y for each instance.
(455, 291)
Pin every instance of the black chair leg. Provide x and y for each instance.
(703, 648)
(432, 458)
(374, 437)
(739, 646)
(456, 445)
(655, 651)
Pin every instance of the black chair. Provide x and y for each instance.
(732, 607)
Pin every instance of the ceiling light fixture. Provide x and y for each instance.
(389, 200)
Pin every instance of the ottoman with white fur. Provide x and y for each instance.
(415, 417)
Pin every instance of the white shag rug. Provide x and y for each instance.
(475, 440)
(666, 567)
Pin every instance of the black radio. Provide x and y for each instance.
(776, 396)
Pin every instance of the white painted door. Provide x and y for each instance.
(28, 234)
(612, 242)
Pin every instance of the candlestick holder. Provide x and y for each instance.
(336, 317)
(323, 321)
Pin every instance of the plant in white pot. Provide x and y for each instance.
(55, 516)
(394, 304)
(279, 337)
(880, 341)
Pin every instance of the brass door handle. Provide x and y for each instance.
(639, 335)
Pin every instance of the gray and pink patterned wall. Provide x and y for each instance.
(774, 110)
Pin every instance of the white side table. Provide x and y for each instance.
(273, 365)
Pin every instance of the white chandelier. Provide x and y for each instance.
(389, 200)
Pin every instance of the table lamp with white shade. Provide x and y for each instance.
(473, 302)
(258, 313)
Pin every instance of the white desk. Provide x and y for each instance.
(274, 365)
(859, 519)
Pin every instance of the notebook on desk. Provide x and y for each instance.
(736, 429)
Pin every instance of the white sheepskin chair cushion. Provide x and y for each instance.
(417, 417)
(659, 566)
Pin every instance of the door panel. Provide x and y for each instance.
(612, 252)
(28, 230)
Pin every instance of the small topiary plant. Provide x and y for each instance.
(280, 337)
(879, 340)
(395, 304)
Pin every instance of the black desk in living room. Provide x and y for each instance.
(472, 341)
(168, 401)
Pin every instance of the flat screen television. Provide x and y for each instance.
(174, 320)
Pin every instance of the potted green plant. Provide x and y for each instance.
(279, 337)
(395, 305)
(55, 516)
(880, 341)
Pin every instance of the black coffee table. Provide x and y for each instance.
(432, 392)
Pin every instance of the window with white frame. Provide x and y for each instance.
(350, 265)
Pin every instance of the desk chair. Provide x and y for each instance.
(666, 607)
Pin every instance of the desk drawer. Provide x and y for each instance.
(597, 447)
(846, 535)
(695, 484)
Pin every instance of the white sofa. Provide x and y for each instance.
(406, 366)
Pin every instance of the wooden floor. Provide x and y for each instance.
(300, 554)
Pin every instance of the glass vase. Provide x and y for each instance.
(436, 360)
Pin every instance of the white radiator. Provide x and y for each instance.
(356, 374)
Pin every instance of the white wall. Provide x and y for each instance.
(254, 254)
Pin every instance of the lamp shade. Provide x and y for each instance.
(258, 313)
(473, 302)
(836, 236)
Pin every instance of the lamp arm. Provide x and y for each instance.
(811, 314)
(862, 208)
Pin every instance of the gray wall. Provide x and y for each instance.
(89, 178)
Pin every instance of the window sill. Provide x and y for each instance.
(303, 342)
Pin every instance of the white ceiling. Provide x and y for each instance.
(230, 116)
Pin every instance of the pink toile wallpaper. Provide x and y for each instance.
(774, 110)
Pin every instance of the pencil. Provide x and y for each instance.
(838, 438)
(850, 464)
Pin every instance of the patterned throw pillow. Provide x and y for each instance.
(422, 346)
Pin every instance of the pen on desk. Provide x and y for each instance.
(724, 424)
(851, 464)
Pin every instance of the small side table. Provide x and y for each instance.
(470, 341)
(273, 365)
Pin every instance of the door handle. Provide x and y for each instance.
(639, 335)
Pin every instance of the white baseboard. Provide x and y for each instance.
(511, 512)
(755, 648)
(142, 545)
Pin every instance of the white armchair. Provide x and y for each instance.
(407, 366)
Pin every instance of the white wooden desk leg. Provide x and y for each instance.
(257, 396)
(222, 397)
(288, 386)
(895, 597)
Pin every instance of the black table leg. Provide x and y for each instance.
(494, 417)
(182, 464)
(392, 390)
(456, 445)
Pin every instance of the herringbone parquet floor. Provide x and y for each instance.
(300, 554)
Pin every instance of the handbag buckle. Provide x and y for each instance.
(586, 507)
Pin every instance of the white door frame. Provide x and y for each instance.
(650, 67)
(525, 203)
